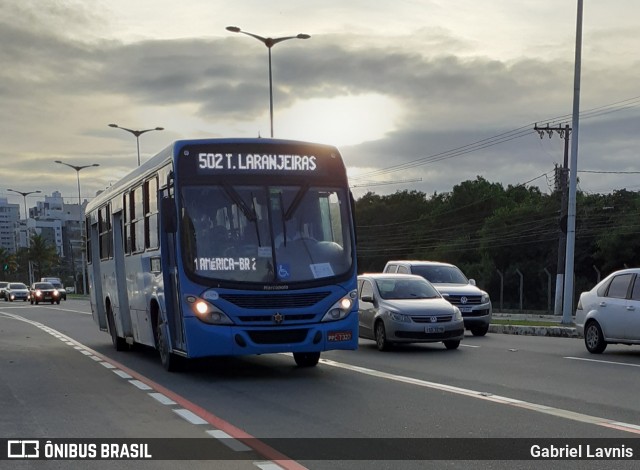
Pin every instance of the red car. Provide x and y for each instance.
(43, 292)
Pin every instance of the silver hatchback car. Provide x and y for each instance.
(610, 312)
(405, 308)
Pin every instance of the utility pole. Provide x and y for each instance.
(564, 133)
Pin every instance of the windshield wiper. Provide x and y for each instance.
(296, 202)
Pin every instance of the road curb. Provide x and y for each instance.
(556, 331)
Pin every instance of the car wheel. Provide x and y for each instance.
(119, 343)
(593, 338)
(452, 343)
(37, 302)
(58, 301)
(309, 359)
(381, 337)
(480, 330)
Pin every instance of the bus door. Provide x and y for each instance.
(122, 309)
(95, 278)
(168, 246)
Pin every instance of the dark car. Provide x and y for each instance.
(43, 292)
(16, 291)
(3, 288)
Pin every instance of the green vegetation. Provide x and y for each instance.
(487, 229)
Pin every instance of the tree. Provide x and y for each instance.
(42, 255)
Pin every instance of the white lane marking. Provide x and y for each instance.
(140, 385)
(165, 400)
(267, 465)
(108, 365)
(96, 358)
(121, 373)
(601, 361)
(627, 427)
(229, 441)
(190, 416)
(469, 345)
(85, 352)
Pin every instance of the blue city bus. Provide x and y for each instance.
(223, 247)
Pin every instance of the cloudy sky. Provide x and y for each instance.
(417, 94)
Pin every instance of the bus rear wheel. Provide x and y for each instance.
(308, 359)
(170, 361)
(119, 343)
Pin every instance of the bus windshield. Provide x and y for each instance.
(265, 234)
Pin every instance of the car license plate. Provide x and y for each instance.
(339, 336)
(465, 309)
(434, 329)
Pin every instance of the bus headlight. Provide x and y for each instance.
(206, 312)
(341, 308)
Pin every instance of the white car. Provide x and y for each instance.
(610, 312)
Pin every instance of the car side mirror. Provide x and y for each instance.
(367, 298)
(472, 282)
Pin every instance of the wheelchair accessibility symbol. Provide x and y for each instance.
(283, 271)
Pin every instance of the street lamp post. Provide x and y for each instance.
(137, 134)
(269, 42)
(26, 224)
(77, 169)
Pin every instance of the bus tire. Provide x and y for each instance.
(308, 359)
(170, 361)
(120, 344)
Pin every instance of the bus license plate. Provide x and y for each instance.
(434, 329)
(339, 336)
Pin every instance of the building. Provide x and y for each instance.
(9, 218)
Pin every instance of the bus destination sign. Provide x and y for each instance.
(250, 162)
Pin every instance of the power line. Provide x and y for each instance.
(501, 138)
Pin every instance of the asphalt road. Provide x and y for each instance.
(497, 386)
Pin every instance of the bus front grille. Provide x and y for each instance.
(277, 301)
(278, 336)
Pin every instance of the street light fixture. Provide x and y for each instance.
(26, 226)
(137, 134)
(78, 168)
(269, 42)
(24, 195)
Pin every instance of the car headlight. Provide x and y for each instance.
(485, 298)
(56, 293)
(38, 293)
(341, 308)
(207, 312)
(457, 315)
(400, 317)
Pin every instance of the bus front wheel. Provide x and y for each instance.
(308, 359)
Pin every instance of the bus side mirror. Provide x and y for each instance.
(169, 218)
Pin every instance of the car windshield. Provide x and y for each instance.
(43, 285)
(265, 234)
(441, 274)
(17, 285)
(406, 289)
(55, 284)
